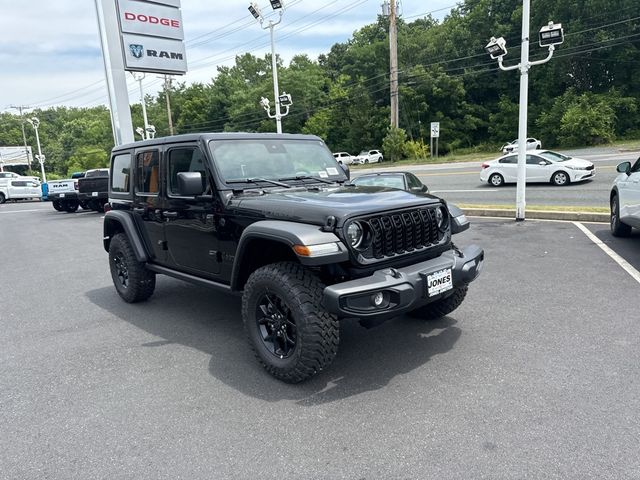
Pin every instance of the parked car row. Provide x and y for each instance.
(365, 156)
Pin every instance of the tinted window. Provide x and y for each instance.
(413, 181)
(97, 173)
(148, 172)
(509, 159)
(636, 166)
(533, 160)
(121, 172)
(185, 160)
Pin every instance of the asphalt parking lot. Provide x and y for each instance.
(534, 376)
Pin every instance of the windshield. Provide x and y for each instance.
(554, 156)
(389, 181)
(274, 159)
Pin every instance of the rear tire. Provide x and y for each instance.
(56, 205)
(618, 229)
(442, 307)
(2, 198)
(133, 282)
(496, 180)
(292, 336)
(70, 207)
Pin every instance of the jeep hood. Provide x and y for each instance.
(313, 207)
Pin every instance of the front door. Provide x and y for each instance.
(630, 197)
(535, 171)
(190, 222)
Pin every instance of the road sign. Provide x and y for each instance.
(435, 129)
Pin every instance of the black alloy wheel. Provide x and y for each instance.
(121, 272)
(276, 325)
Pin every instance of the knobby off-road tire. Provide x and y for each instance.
(618, 229)
(292, 336)
(133, 282)
(442, 307)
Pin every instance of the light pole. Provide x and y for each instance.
(139, 77)
(35, 123)
(549, 36)
(280, 100)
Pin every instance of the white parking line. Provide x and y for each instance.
(468, 191)
(616, 258)
(23, 211)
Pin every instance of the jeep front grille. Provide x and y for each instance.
(401, 232)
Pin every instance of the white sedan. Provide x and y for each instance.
(542, 166)
(532, 144)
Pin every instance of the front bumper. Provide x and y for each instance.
(404, 289)
(579, 175)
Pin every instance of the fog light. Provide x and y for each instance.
(377, 299)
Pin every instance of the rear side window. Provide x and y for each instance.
(121, 173)
(148, 172)
(509, 159)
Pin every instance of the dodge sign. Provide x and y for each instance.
(150, 19)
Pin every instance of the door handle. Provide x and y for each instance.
(170, 214)
(139, 210)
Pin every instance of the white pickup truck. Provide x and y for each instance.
(17, 187)
(64, 194)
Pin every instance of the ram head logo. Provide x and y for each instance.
(136, 50)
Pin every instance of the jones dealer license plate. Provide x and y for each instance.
(439, 282)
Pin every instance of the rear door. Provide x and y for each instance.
(148, 202)
(508, 168)
(190, 223)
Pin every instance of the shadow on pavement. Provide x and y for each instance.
(210, 322)
(628, 248)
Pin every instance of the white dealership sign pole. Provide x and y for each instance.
(137, 36)
(114, 71)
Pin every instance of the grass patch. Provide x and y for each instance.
(547, 208)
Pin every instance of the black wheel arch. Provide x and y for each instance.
(121, 222)
(271, 241)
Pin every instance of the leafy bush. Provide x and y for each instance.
(416, 149)
(588, 121)
(393, 143)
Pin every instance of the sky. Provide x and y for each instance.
(50, 52)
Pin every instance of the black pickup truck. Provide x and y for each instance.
(275, 219)
(93, 189)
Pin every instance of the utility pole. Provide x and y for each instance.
(24, 135)
(167, 89)
(389, 9)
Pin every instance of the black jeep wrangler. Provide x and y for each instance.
(274, 218)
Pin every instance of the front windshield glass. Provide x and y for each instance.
(274, 159)
(389, 181)
(554, 156)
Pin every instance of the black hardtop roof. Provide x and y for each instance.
(194, 137)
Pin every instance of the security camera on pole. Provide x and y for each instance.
(549, 36)
(283, 100)
(35, 123)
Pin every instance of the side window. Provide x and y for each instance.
(510, 159)
(636, 167)
(533, 160)
(120, 173)
(413, 181)
(186, 160)
(148, 172)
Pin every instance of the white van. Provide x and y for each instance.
(16, 187)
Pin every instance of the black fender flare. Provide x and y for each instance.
(125, 221)
(289, 234)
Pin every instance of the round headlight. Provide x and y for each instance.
(355, 234)
(441, 217)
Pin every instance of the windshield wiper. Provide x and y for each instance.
(307, 177)
(258, 179)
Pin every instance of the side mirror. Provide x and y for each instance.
(542, 163)
(345, 169)
(624, 167)
(190, 184)
(422, 189)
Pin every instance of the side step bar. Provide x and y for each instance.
(190, 278)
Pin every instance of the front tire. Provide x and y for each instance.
(560, 179)
(70, 207)
(292, 336)
(2, 198)
(442, 307)
(133, 282)
(618, 229)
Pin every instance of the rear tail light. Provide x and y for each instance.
(485, 165)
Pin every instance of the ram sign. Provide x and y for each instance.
(152, 36)
(151, 54)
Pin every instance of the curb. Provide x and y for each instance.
(539, 214)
